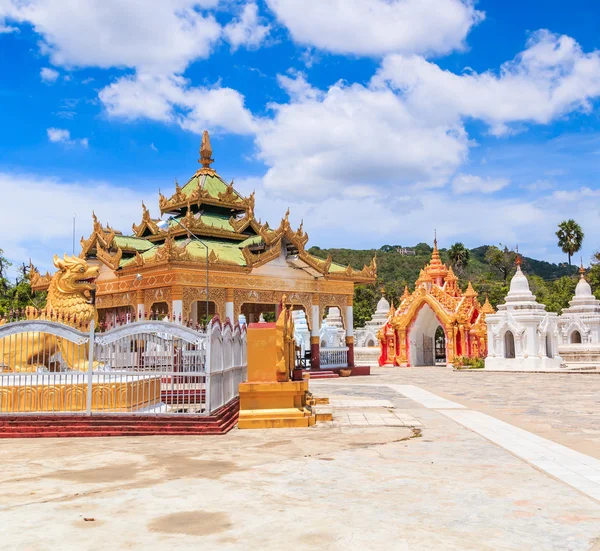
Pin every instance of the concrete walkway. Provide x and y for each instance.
(436, 479)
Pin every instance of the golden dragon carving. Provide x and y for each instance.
(70, 301)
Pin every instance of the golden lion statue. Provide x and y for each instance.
(70, 301)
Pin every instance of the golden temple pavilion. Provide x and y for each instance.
(213, 254)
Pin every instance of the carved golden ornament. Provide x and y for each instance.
(229, 195)
(470, 292)
(147, 223)
(256, 260)
(38, 282)
(111, 260)
(139, 259)
(487, 308)
(171, 252)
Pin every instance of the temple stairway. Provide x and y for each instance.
(52, 426)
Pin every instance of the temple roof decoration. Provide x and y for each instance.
(214, 211)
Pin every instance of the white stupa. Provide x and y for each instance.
(522, 335)
(301, 330)
(332, 333)
(580, 322)
(367, 335)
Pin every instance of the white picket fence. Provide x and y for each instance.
(147, 367)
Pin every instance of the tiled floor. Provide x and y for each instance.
(576, 469)
(377, 417)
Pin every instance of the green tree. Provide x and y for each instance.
(570, 237)
(459, 256)
(502, 259)
(594, 274)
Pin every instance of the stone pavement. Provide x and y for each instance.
(562, 407)
(441, 486)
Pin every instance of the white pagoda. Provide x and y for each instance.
(580, 322)
(366, 341)
(522, 335)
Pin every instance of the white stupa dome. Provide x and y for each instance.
(519, 284)
(383, 306)
(583, 289)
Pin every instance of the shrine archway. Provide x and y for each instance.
(422, 337)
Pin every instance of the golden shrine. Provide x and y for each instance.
(214, 255)
(269, 398)
(436, 318)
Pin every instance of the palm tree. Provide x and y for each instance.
(459, 256)
(570, 237)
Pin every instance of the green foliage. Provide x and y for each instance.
(17, 295)
(459, 256)
(594, 275)
(502, 259)
(570, 237)
(463, 362)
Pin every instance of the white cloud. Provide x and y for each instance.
(469, 183)
(581, 194)
(378, 219)
(54, 203)
(5, 29)
(153, 147)
(377, 27)
(163, 37)
(323, 142)
(61, 135)
(247, 30)
(48, 75)
(171, 99)
(551, 77)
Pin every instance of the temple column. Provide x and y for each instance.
(449, 344)
(141, 307)
(194, 313)
(402, 347)
(177, 304)
(229, 306)
(315, 326)
(350, 332)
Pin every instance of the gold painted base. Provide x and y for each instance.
(275, 405)
(65, 397)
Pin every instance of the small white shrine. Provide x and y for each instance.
(522, 335)
(366, 343)
(580, 322)
(367, 336)
(333, 334)
(301, 331)
(579, 328)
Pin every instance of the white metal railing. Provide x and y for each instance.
(333, 357)
(146, 367)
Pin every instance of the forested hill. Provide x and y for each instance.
(554, 284)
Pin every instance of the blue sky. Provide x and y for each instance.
(375, 121)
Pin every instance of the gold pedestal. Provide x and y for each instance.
(275, 405)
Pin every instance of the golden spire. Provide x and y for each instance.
(205, 151)
(470, 292)
(581, 269)
(406, 293)
(518, 260)
(451, 276)
(487, 308)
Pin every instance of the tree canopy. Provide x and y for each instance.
(570, 237)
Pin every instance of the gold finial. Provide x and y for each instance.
(435, 238)
(581, 269)
(205, 151)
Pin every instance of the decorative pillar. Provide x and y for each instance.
(350, 332)
(402, 346)
(141, 307)
(315, 326)
(177, 304)
(229, 306)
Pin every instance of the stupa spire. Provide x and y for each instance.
(205, 150)
(581, 269)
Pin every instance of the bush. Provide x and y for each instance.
(464, 362)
